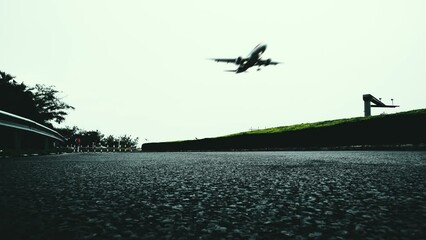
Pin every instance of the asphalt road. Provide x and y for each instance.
(323, 195)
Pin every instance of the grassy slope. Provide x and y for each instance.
(304, 126)
(393, 129)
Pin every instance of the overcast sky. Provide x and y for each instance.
(140, 67)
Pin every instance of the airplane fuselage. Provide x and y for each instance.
(252, 58)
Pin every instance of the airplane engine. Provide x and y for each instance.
(267, 62)
(238, 60)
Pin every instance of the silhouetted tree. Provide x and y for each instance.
(91, 137)
(49, 105)
(17, 98)
(6, 78)
(40, 103)
(110, 141)
(69, 133)
(96, 137)
(125, 140)
(128, 141)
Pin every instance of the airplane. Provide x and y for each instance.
(253, 59)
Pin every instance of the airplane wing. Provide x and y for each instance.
(267, 62)
(227, 60)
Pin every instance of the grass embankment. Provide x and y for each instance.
(393, 131)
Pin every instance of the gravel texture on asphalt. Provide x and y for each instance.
(235, 195)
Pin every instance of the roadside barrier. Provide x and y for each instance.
(78, 148)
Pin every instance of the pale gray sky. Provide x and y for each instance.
(139, 67)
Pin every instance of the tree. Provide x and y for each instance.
(125, 140)
(49, 105)
(17, 98)
(91, 137)
(40, 103)
(6, 78)
(43, 105)
(110, 141)
(69, 133)
(128, 141)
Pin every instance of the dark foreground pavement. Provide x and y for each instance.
(214, 196)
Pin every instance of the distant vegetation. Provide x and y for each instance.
(96, 138)
(42, 104)
(393, 131)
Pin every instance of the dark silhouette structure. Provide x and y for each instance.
(368, 99)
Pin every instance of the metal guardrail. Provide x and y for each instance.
(17, 122)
